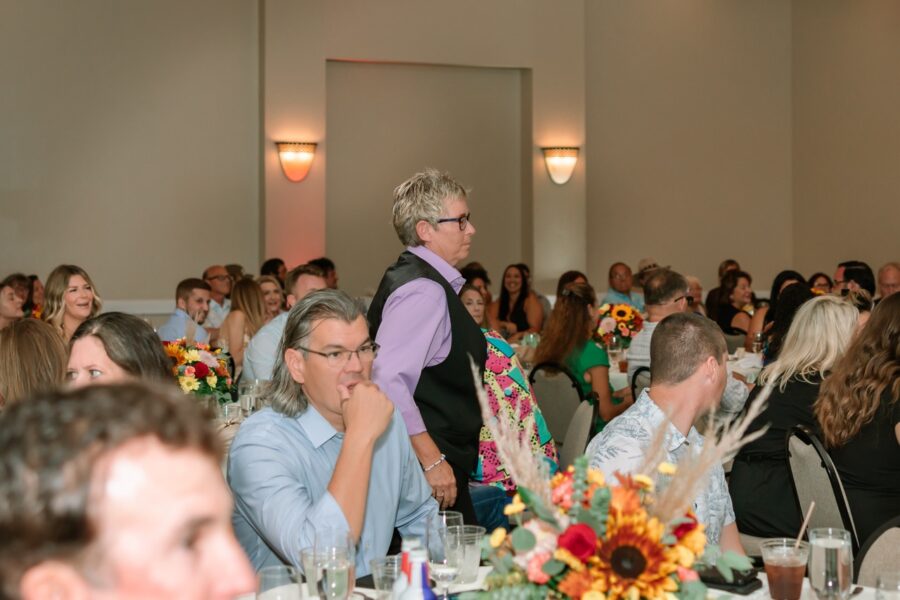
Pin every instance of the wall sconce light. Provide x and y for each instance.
(296, 158)
(560, 163)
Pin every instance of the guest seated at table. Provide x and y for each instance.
(247, 315)
(695, 291)
(760, 483)
(567, 278)
(261, 352)
(688, 371)
(518, 310)
(115, 347)
(862, 300)
(477, 277)
(888, 280)
(191, 308)
(331, 452)
(853, 275)
(858, 410)
(32, 360)
(236, 272)
(568, 340)
(328, 267)
(71, 299)
(220, 283)
(712, 297)
(761, 321)
(511, 398)
(34, 304)
(115, 492)
(274, 267)
(666, 293)
(273, 295)
(20, 285)
(10, 305)
(789, 302)
(542, 299)
(620, 283)
(735, 296)
(820, 283)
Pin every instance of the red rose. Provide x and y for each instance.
(201, 370)
(580, 540)
(685, 528)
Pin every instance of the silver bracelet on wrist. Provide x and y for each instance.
(434, 464)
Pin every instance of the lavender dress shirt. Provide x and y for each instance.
(414, 334)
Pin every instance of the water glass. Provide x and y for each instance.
(335, 554)
(830, 563)
(279, 583)
(888, 586)
(466, 540)
(230, 413)
(384, 573)
(443, 550)
(248, 392)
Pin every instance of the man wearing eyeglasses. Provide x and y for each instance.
(219, 304)
(331, 453)
(667, 293)
(427, 336)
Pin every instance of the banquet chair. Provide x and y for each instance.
(879, 554)
(814, 477)
(577, 435)
(558, 395)
(639, 381)
(734, 341)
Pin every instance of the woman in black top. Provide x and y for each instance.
(760, 483)
(859, 413)
(734, 295)
(517, 311)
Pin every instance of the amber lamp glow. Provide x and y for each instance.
(560, 162)
(296, 158)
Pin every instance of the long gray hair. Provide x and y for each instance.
(286, 394)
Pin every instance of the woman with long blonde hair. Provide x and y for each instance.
(70, 299)
(760, 483)
(247, 315)
(859, 414)
(567, 340)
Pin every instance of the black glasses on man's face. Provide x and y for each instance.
(687, 298)
(463, 220)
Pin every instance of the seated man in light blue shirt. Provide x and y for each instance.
(620, 283)
(259, 356)
(331, 452)
(191, 308)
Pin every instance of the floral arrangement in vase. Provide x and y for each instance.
(581, 534)
(619, 320)
(200, 370)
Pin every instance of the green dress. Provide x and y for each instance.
(580, 361)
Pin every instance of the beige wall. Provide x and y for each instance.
(846, 132)
(689, 135)
(388, 121)
(129, 139)
(546, 38)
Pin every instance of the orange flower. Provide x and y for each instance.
(625, 500)
(575, 584)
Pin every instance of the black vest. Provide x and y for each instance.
(445, 393)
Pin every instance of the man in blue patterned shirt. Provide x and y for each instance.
(688, 375)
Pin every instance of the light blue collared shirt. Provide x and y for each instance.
(260, 354)
(176, 328)
(633, 299)
(279, 469)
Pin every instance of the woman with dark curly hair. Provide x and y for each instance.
(517, 311)
(734, 294)
(858, 410)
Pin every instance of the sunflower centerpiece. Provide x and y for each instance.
(618, 321)
(200, 370)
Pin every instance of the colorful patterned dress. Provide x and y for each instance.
(511, 397)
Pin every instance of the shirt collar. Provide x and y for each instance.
(317, 429)
(447, 271)
(655, 416)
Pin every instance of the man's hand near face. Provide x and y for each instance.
(367, 411)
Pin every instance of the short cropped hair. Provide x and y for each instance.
(663, 285)
(49, 449)
(421, 198)
(186, 286)
(680, 344)
(287, 395)
(294, 274)
(323, 262)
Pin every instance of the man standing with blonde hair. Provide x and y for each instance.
(427, 337)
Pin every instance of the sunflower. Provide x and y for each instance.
(632, 557)
(622, 312)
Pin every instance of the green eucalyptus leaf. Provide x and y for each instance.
(725, 569)
(669, 540)
(542, 511)
(553, 567)
(522, 540)
(736, 561)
